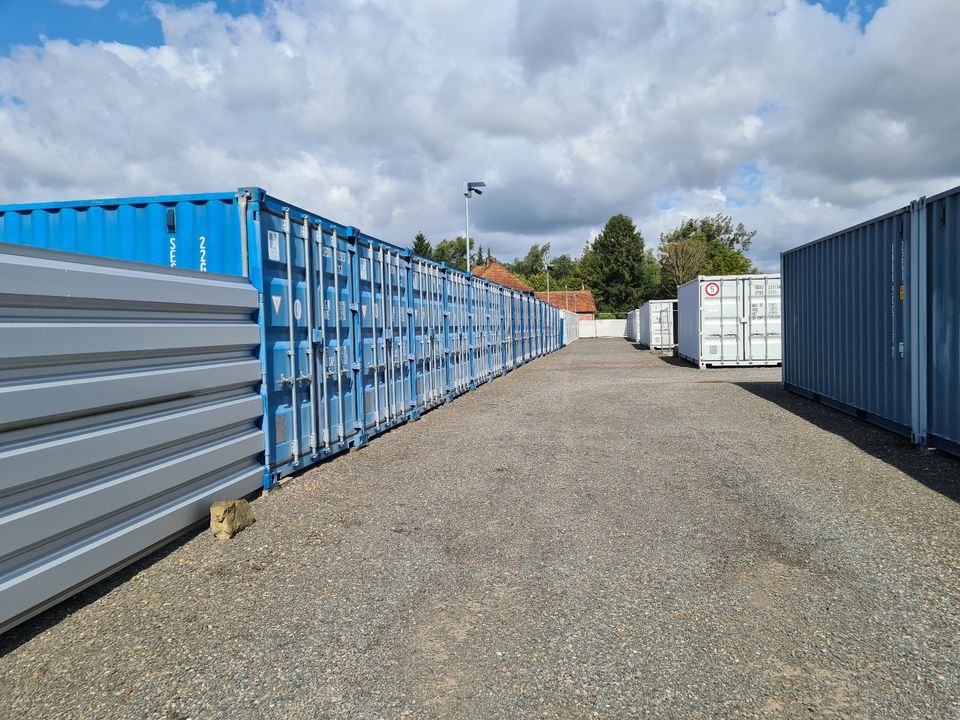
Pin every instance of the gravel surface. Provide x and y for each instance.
(602, 533)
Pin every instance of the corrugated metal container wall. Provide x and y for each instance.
(730, 320)
(429, 325)
(196, 232)
(941, 217)
(657, 324)
(385, 327)
(509, 330)
(845, 335)
(458, 337)
(341, 348)
(305, 267)
(480, 340)
(886, 295)
(129, 402)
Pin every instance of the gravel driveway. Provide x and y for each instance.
(599, 534)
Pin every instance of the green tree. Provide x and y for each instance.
(478, 257)
(564, 271)
(704, 246)
(617, 266)
(681, 260)
(421, 246)
(453, 252)
(534, 263)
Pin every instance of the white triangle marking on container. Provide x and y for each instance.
(277, 299)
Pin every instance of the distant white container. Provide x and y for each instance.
(633, 326)
(730, 320)
(657, 325)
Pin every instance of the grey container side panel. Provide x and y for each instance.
(845, 330)
(688, 316)
(643, 334)
(943, 320)
(121, 436)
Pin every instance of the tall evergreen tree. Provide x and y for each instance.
(421, 246)
(618, 267)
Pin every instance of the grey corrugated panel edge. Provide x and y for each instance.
(119, 438)
(926, 375)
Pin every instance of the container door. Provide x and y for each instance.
(457, 299)
(428, 331)
(478, 329)
(286, 353)
(508, 329)
(384, 327)
(721, 319)
(339, 346)
(308, 341)
(761, 338)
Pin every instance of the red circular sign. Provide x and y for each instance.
(712, 289)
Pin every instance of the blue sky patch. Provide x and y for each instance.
(866, 9)
(131, 22)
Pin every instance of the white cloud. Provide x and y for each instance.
(374, 113)
(89, 4)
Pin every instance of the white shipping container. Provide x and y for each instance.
(657, 326)
(730, 320)
(633, 326)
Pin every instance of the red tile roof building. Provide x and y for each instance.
(496, 272)
(576, 301)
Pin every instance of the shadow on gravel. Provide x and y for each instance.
(665, 357)
(936, 470)
(14, 638)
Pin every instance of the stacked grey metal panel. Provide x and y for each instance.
(872, 320)
(129, 402)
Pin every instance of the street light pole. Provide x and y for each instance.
(468, 189)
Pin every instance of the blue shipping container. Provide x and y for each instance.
(872, 320)
(357, 335)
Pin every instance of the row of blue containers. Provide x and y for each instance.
(357, 335)
(872, 320)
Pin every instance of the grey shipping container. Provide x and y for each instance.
(129, 402)
(658, 324)
(872, 320)
(730, 320)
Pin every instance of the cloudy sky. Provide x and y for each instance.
(797, 118)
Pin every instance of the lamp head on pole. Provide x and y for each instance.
(473, 187)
